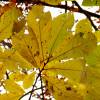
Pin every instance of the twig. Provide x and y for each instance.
(7, 75)
(65, 7)
(42, 87)
(87, 15)
(29, 93)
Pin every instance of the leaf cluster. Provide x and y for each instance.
(40, 48)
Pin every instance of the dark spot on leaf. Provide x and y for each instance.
(68, 88)
(87, 91)
(81, 34)
(36, 54)
(28, 46)
(69, 38)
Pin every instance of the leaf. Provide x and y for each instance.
(27, 46)
(97, 34)
(2, 71)
(65, 89)
(11, 96)
(91, 3)
(72, 69)
(53, 2)
(83, 26)
(28, 80)
(41, 24)
(81, 45)
(17, 76)
(6, 22)
(12, 59)
(19, 25)
(61, 26)
(13, 87)
(94, 58)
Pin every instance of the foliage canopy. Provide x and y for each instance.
(38, 48)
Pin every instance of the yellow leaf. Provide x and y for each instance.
(6, 22)
(65, 89)
(13, 87)
(27, 45)
(41, 24)
(12, 59)
(72, 69)
(17, 76)
(28, 80)
(2, 71)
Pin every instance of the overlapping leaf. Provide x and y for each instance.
(71, 69)
(26, 45)
(12, 59)
(78, 45)
(65, 89)
(6, 22)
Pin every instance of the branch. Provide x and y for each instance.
(85, 13)
(42, 87)
(29, 93)
(66, 7)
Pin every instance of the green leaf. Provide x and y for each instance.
(6, 22)
(91, 3)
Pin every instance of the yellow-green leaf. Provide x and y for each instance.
(72, 69)
(61, 26)
(6, 22)
(83, 26)
(13, 87)
(28, 80)
(12, 60)
(91, 3)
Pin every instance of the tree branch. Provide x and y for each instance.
(87, 15)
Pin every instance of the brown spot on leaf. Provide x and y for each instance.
(68, 88)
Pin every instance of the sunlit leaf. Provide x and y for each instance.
(71, 69)
(83, 26)
(81, 45)
(17, 76)
(26, 45)
(2, 71)
(6, 22)
(65, 89)
(13, 87)
(12, 60)
(91, 3)
(61, 26)
(41, 24)
(28, 80)
(11, 96)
